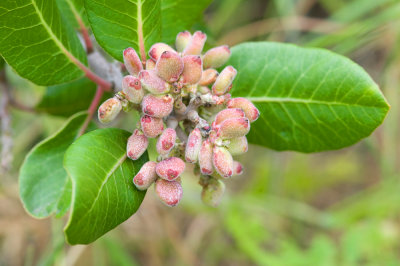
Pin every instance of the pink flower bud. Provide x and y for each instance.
(223, 161)
(136, 145)
(237, 168)
(157, 49)
(170, 168)
(212, 193)
(234, 128)
(193, 146)
(146, 176)
(166, 141)
(205, 158)
(182, 40)
(157, 105)
(216, 57)
(109, 110)
(196, 44)
(247, 106)
(192, 69)
(150, 64)
(208, 77)
(228, 114)
(238, 146)
(132, 61)
(169, 66)
(153, 83)
(151, 126)
(132, 89)
(224, 80)
(170, 192)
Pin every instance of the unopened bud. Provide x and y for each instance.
(170, 168)
(205, 158)
(196, 44)
(170, 192)
(224, 80)
(193, 146)
(192, 69)
(132, 61)
(157, 105)
(151, 126)
(182, 40)
(150, 64)
(157, 49)
(208, 77)
(153, 83)
(212, 193)
(203, 89)
(223, 161)
(136, 145)
(146, 176)
(237, 168)
(238, 146)
(247, 106)
(166, 141)
(228, 114)
(234, 128)
(132, 89)
(216, 57)
(169, 66)
(109, 110)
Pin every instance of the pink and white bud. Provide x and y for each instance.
(224, 81)
(146, 176)
(192, 69)
(166, 141)
(223, 161)
(132, 89)
(150, 64)
(157, 49)
(157, 105)
(196, 44)
(170, 168)
(238, 146)
(205, 158)
(234, 128)
(109, 110)
(132, 61)
(151, 126)
(212, 193)
(136, 145)
(216, 57)
(169, 66)
(193, 146)
(170, 192)
(182, 40)
(247, 106)
(237, 168)
(153, 83)
(208, 77)
(228, 114)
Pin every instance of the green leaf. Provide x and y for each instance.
(116, 24)
(37, 43)
(44, 185)
(180, 15)
(72, 11)
(103, 192)
(310, 99)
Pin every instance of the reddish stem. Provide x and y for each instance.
(92, 109)
(85, 35)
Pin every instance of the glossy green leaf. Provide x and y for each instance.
(103, 192)
(180, 15)
(310, 99)
(44, 185)
(72, 11)
(37, 43)
(117, 24)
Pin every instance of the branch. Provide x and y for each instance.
(85, 35)
(92, 109)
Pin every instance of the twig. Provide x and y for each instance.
(6, 139)
(85, 35)
(92, 109)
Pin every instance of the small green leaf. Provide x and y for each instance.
(73, 10)
(180, 15)
(44, 185)
(310, 99)
(117, 24)
(37, 43)
(103, 192)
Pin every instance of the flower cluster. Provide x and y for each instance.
(185, 103)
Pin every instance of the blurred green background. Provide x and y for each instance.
(332, 208)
